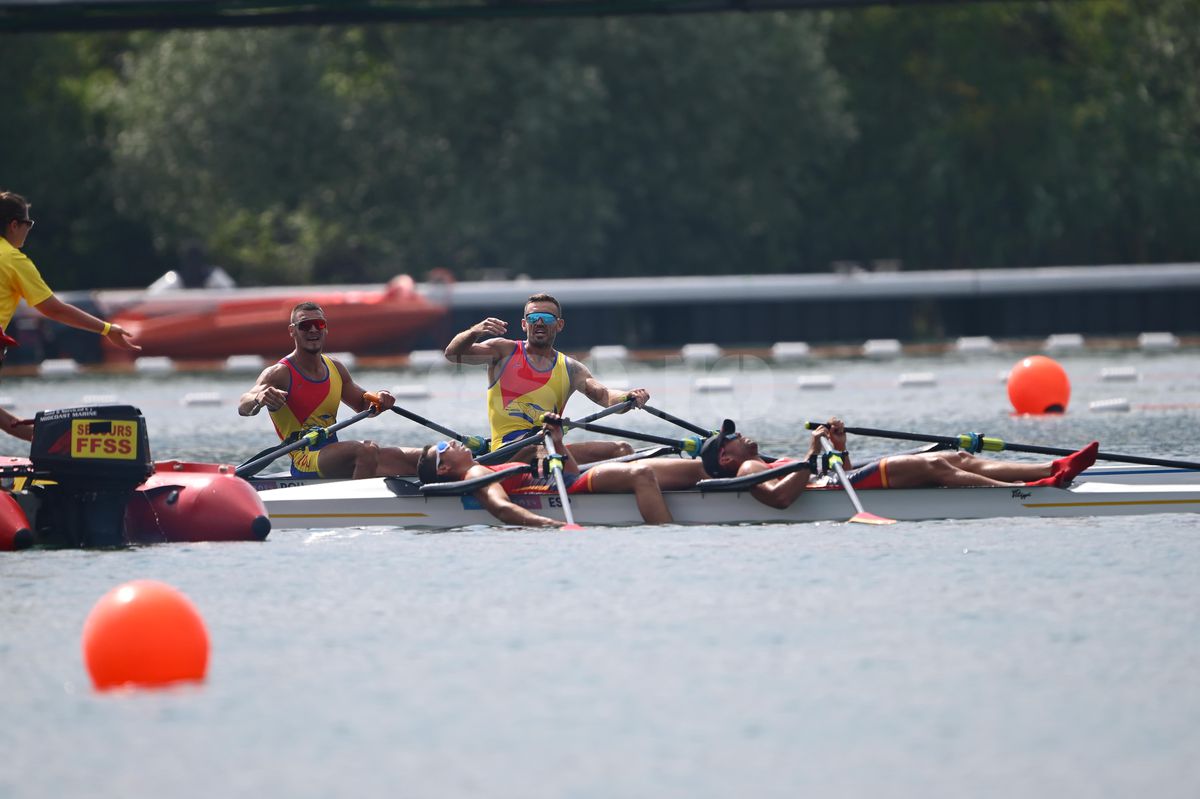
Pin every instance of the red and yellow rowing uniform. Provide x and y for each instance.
(310, 403)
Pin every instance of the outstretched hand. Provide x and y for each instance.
(122, 338)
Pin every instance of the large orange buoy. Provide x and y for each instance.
(144, 633)
(1039, 385)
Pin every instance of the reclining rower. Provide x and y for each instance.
(730, 454)
(450, 461)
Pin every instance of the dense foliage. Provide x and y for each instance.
(993, 135)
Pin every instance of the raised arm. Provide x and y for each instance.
(269, 391)
(584, 382)
(358, 399)
(467, 348)
(54, 308)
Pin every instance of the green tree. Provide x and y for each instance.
(1019, 134)
(54, 154)
(619, 146)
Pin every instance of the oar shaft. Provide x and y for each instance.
(836, 462)
(997, 445)
(684, 423)
(473, 443)
(252, 467)
(421, 420)
(616, 431)
(557, 469)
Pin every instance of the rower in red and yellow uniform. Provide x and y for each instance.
(528, 378)
(303, 392)
(728, 453)
(449, 461)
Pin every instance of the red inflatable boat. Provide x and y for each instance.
(90, 483)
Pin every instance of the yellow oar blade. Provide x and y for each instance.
(870, 518)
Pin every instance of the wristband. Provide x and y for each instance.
(107, 327)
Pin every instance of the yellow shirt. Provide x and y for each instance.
(18, 278)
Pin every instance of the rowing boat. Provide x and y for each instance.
(1136, 475)
(399, 502)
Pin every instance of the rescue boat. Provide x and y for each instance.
(89, 482)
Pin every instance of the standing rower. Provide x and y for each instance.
(303, 391)
(529, 378)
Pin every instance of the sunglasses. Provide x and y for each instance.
(27, 222)
(540, 316)
(439, 448)
(308, 325)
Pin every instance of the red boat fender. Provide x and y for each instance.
(195, 502)
(14, 527)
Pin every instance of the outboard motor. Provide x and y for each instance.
(95, 457)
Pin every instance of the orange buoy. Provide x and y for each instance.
(1039, 385)
(144, 633)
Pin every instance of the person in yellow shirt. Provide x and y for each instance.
(20, 280)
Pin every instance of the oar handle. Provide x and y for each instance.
(974, 442)
(473, 443)
(252, 467)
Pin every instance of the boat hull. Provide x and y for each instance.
(396, 503)
(189, 502)
(180, 502)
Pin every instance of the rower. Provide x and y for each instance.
(303, 392)
(730, 454)
(450, 461)
(529, 378)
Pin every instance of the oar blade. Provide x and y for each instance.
(870, 518)
(571, 527)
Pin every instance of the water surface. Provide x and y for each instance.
(1001, 658)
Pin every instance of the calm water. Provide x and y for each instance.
(994, 658)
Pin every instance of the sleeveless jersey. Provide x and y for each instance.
(310, 403)
(522, 393)
(526, 483)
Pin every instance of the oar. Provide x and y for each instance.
(473, 443)
(554, 461)
(690, 445)
(684, 423)
(252, 466)
(862, 516)
(974, 442)
(536, 437)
